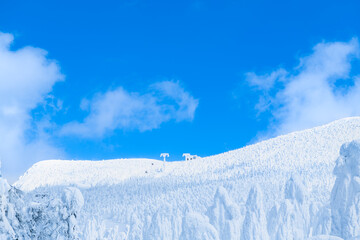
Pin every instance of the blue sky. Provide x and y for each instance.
(193, 76)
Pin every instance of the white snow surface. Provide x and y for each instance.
(298, 151)
(86, 174)
(145, 199)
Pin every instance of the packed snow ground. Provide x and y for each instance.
(144, 199)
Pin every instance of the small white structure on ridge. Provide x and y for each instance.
(187, 156)
(164, 155)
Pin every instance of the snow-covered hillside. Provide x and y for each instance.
(86, 174)
(145, 198)
(295, 151)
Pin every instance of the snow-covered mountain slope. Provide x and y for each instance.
(117, 190)
(86, 174)
(298, 151)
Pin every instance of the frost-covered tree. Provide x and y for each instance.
(314, 209)
(351, 221)
(197, 227)
(345, 195)
(271, 220)
(322, 222)
(54, 218)
(97, 230)
(224, 215)
(254, 226)
(73, 202)
(92, 230)
(6, 230)
(292, 219)
(165, 224)
(136, 228)
(17, 213)
(340, 191)
(14, 218)
(38, 216)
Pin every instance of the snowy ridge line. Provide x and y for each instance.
(286, 152)
(295, 133)
(86, 173)
(217, 196)
(298, 150)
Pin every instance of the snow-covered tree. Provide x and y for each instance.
(197, 227)
(165, 224)
(224, 215)
(345, 195)
(92, 230)
(271, 220)
(73, 202)
(254, 226)
(53, 218)
(97, 230)
(292, 220)
(6, 230)
(136, 228)
(17, 213)
(351, 220)
(339, 193)
(322, 222)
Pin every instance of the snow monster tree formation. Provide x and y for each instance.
(44, 216)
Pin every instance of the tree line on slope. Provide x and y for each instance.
(47, 217)
(295, 217)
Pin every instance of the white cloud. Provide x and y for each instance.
(267, 81)
(185, 105)
(319, 90)
(120, 109)
(26, 77)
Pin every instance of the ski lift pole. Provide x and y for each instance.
(164, 155)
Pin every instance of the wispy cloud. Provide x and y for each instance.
(120, 109)
(319, 90)
(26, 78)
